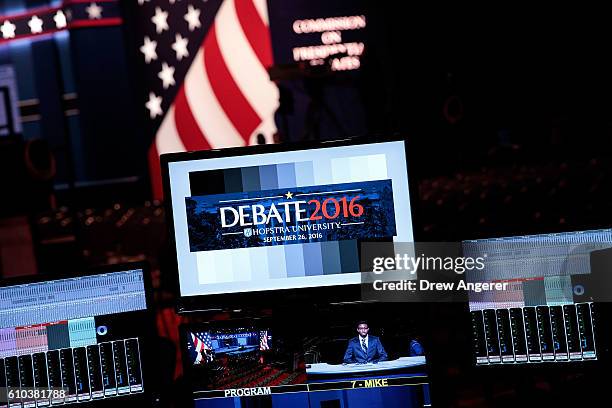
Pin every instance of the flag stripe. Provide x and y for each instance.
(231, 99)
(244, 66)
(256, 31)
(186, 125)
(196, 343)
(155, 172)
(168, 139)
(262, 9)
(209, 115)
(225, 97)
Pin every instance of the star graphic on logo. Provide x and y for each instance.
(289, 195)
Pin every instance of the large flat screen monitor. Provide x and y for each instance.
(280, 217)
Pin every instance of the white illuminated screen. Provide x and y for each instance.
(258, 248)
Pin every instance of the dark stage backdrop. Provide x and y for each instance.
(75, 90)
(470, 91)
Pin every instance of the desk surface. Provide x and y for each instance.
(402, 362)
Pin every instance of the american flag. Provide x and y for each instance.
(263, 340)
(202, 344)
(205, 66)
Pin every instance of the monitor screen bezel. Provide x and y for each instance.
(149, 333)
(186, 328)
(325, 294)
(272, 319)
(603, 333)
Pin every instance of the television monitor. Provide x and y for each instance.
(548, 313)
(274, 218)
(205, 346)
(74, 340)
(359, 356)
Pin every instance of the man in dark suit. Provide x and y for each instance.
(364, 348)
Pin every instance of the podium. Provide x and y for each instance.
(403, 365)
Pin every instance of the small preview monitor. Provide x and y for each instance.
(372, 356)
(204, 346)
(280, 217)
(74, 340)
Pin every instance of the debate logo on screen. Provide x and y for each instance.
(330, 212)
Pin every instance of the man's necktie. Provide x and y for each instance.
(363, 346)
